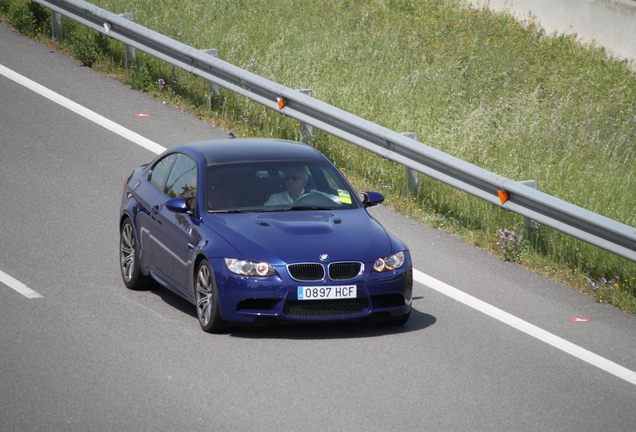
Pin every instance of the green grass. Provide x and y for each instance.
(480, 85)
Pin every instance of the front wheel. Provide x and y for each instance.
(129, 258)
(207, 296)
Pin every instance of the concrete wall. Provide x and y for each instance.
(610, 23)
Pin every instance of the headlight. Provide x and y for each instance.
(249, 268)
(392, 262)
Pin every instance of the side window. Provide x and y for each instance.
(182, 181)
(160, 171)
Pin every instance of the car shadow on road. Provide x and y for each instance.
(341, 330)
(174, 300)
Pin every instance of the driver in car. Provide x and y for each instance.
(295, 181)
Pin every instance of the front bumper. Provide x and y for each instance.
(247, 299)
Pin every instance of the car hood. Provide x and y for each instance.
(302, 236)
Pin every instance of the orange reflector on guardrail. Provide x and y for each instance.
(281, 103)
(503, 196)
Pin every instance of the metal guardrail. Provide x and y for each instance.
(568, 218)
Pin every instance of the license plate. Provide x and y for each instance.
(323, 293)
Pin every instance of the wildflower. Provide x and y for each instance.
(508, 242)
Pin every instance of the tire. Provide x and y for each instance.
(207, 300)
(129, 258)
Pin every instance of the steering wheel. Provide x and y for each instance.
(314, 199)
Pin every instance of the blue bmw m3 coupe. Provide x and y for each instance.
(259, 231)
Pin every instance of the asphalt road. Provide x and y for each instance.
(89, 355)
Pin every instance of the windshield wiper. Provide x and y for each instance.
(226, 211)
(310, 208)
(277, 209)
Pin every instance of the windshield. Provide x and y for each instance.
(276, 186)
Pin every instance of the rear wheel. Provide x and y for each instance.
(129, 258)
(207, 297)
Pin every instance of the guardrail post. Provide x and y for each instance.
(306, 131)
(531, 226)
(214, 94)
(129, 51)
(56, 25)
(412, 177)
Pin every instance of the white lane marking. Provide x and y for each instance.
(526, 327)
(439, 286)
(12, 282)
(84, 112)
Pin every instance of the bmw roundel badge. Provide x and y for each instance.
(324, 257)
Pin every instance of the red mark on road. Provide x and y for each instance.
(579, 319)
(142, 115)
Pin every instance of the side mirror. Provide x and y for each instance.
(370, 199)
(179, 205)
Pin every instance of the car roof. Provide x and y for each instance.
(253, 149)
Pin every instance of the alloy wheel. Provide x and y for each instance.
(127, 252)
(204, 295)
